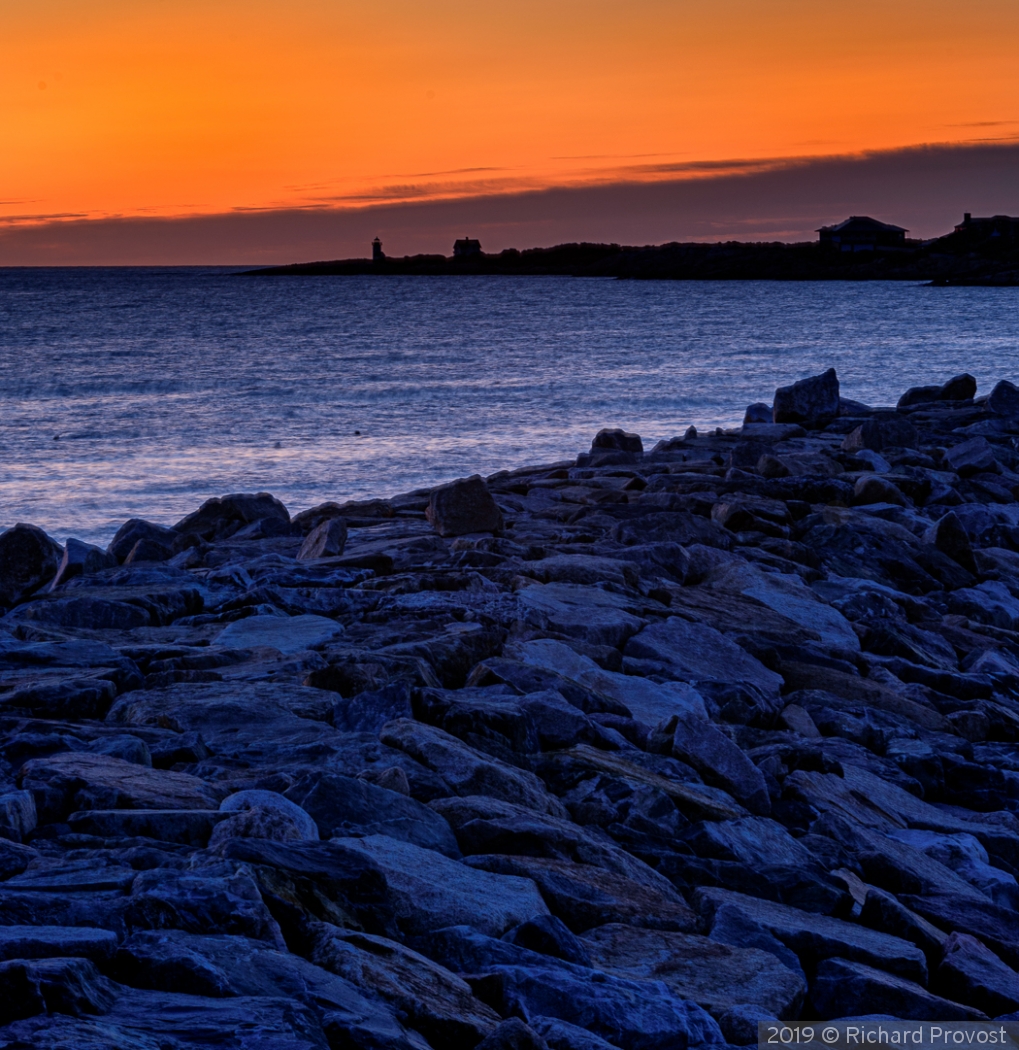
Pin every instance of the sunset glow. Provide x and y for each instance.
(156, 108)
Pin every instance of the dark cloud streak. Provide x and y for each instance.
(925, 189)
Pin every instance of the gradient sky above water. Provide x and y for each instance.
(180, 108)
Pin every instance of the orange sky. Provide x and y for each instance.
(177, 107)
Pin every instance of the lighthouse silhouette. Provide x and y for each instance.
(377, 253)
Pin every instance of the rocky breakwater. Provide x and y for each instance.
(633, 751)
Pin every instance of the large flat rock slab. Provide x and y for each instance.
(713, 975)
(597, 616)
(812, 937)
(253, 723)
(78, 780)
(288, 634)
(696, 652)
(431, 891)
(583, 895)
(649, 702)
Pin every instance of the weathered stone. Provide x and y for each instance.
(17, 814)
(814, 401)
(990, 602)
(53, 986)
(697, 801)
(219, 900)
(513, 1034)
(326, 540)
(77, 781)
(968, 860)
(872, 489)
(222, 516)
(549, 936)
(919, 395)
(148, 550)
(319, 881)
(342, 806)
(288, 634)
(487, 825)
(640, 1015)
(975, 456)
(797, 720)
(146, 1020)
(974, 974)
(1004, 400)
(81, 559)
(264, 723)
(431, 891)
(596, 616)
(28, 559)
(616, 440)
(64, 698)
(241, 801)
(696, 652)
(713, 975)
(14, 858)
(584, 896)
(560, 1035)
(958, 388)
(788, 596)
(236, 969)
(948, 536)
(467, 771)
(882, 911)
(877, 434)
(648, 702)
(843, 988)
(995, 926)
(135, 530)
(463, 507)
(435, 1002)
(769, 466)
(715, 757)
(369, 510)
(812, 937)
(758, 412)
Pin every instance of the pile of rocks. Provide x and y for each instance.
(629, 752)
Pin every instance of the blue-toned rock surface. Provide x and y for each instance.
(627, 754)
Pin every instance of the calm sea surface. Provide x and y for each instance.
(140, 392)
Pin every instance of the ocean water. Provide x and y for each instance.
(141, 392)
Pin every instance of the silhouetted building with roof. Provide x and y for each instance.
(466, 246)
(999, 227)
(377, 254)
(861, 233)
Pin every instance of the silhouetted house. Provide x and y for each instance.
(377, 254)
(466, 246)
(1002, 228)
(861, 233)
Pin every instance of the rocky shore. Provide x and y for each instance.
(955, 259)
(633, 751)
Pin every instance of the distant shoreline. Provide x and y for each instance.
(952, 260)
